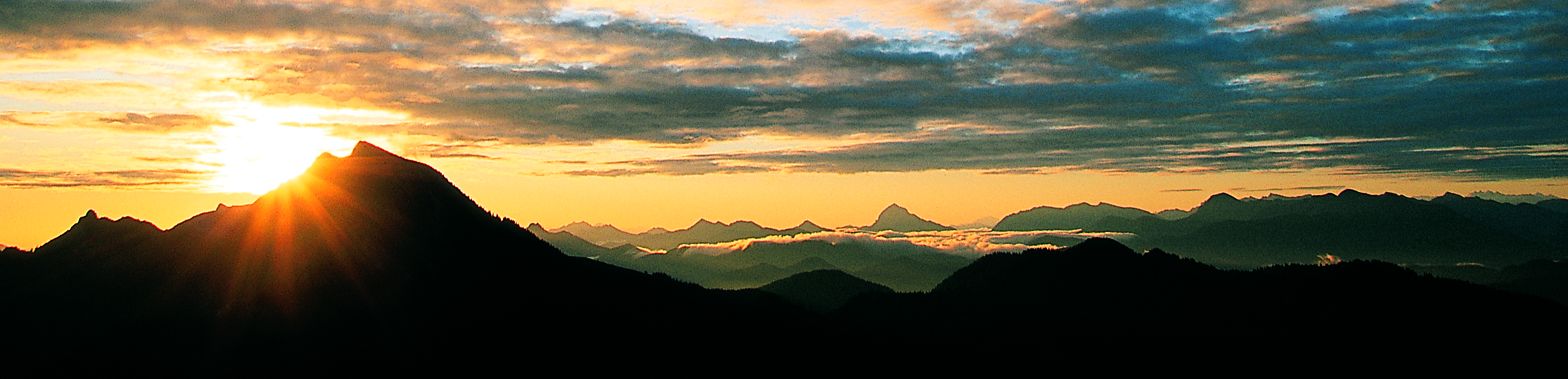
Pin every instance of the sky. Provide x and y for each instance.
(645, 114)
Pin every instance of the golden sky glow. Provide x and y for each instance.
(645, 114)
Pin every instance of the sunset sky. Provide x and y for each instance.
(645, 114)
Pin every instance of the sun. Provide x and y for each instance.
(257, 158)
(263, 146)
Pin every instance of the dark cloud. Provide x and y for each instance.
(1476, 89)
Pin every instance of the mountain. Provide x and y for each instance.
(1172, 214)
(1525, 220)
(1076, 216)
(898, 219)
(705, 231)
(804, 227)
(1555, 205)
(365, 258)
(567, 243)
(1101, 290)
(903, 267)
(602, 235)
(1531, 198)
(12, 253)
(1544, 278)
(822, 290)
(1234, 232)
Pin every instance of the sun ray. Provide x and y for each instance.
(262, 145)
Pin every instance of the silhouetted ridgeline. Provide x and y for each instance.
(372, 262)
(365, 257)
(703, 231)
(1103, 289)
(822, 290)
(903, 267)
(1235, 232)
(1544, 278)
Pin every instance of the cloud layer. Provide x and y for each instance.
(960, 242)
(1468, 88)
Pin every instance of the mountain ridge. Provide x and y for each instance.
(896, 218)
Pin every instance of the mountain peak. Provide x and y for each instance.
(899, 219)
(808, 227)
(1221, 197)
(367, 150)
(91, 215)
(1101, 245)
(703, 223)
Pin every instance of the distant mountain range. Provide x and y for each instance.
(703, 231)
(903, 267)
(1532, 198)
(894, 218)
(1277, 229)
(1450, 229)
(373, 263)
(1224, 230)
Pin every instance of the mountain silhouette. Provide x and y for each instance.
(898, 219)
(1531, 198)
(903, 267)
(822, 290)
(1525, 220)
(804, 227)
(568, 243)
(602, 235)
(373, 263)
(703, 231)
(1554, 205)
(1076, 216)
(1101, 289)
(365, 257)
(1544, 278)
(1232, 232)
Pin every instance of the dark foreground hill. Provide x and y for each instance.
(372, 263)
(1103, 291)
(822, 290)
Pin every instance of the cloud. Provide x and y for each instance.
(124, 122)
(1469, 89)
(145, 178)
(962, 242)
